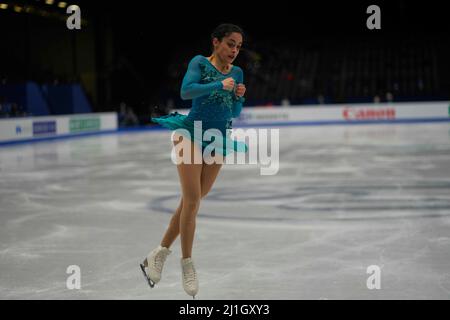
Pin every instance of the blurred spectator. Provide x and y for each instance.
(3, 112)
(170, 105)
(9, 110)
(127, 117)
(376, 99)
(320, 99)
(157, 111)
(389, 97)
(17, 110)
(14, 110)
(285, 102)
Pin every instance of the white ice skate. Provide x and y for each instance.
(189, 277)
(155, 262)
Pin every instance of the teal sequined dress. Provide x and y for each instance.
(211, 105)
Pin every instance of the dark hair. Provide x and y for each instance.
(224, 30)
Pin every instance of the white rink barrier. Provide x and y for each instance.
(343, 113)
(47, 127)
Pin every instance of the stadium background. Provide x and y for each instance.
(134, 54)
(362, 180)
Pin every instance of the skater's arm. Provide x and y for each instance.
(237, 107)
(238, 100)
(191, 88)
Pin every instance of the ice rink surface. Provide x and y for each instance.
(344, 198)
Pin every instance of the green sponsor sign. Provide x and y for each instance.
(84, 124)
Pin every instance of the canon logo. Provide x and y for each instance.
(368, 113)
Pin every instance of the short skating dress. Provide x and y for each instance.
(211, 104)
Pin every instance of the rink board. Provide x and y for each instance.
(49, 127)
(35, 128)
(343, 113)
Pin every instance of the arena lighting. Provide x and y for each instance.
(62, 4)
(3, 6)
(17, 9)
(49, 2)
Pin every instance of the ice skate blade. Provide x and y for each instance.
(150, 282)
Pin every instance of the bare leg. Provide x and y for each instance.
(190, 184)
(189, 174)
(208, 175)
(174, 228)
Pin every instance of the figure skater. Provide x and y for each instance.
(216, 89)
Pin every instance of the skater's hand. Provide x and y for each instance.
(240, 90)
(228, 84)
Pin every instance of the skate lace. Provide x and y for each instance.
(159, 260)
(190, 275)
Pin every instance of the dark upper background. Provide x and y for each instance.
(137, 51)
